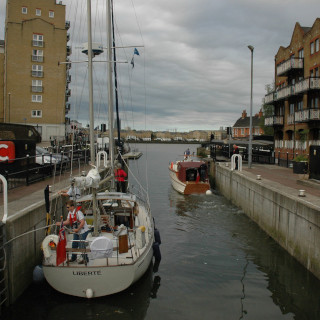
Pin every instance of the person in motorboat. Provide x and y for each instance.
(187, 154)
(79, 226)
(120, 175)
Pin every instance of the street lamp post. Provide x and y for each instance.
(251, 48)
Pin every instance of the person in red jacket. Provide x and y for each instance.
(120, 176)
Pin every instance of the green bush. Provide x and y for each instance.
(300, 158)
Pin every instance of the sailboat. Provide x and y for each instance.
(121, 245)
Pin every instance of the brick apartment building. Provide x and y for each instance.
(241, 129)
(296, 119)
(34, 87)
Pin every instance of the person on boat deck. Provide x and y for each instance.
(120, 175)
(187, 154)
(76, 220)
(236, 151)
(73, 193)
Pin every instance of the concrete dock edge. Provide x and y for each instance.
(292, 221)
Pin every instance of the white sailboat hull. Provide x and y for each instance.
(100, 280)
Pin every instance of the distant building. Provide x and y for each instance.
(296, 96)
(35, 87)
(241, 129)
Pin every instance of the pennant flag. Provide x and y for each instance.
(61, 246)
(136, 52)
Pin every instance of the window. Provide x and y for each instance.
(37, 40)
(242, 131)
(317, 44)
(312, 48)
(37, 70)
(36, 98)
(311, 73)
(316, 72)
(37, 55)
(291, 108)
(37, 86)
(36, 113)
(301, 53)
(281, 109)
(300, 105)
(38, 12)
(316, 102)
(24, 10)
(51, 14)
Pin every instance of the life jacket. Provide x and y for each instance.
(73, 218)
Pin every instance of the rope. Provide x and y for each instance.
(23, 234)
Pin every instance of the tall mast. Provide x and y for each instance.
(116, 80)
(110, 92)
(91, 114)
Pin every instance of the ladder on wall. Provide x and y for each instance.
(3, 284)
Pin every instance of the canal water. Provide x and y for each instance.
(216, 264)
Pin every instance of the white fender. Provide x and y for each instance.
(45, 244)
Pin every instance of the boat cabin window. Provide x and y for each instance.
(191, 174)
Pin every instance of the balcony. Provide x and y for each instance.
(289, 66)
(284, 93)
(307, 84)
(300, 145)
(67, 108)
(314, 83)
(302, 116)
(268, 121)
(314, 142)
(270, 97)
(314, 114)
(68, 93)
(288, 144)
(278, 144)
(301, 86)
(67, 25)
(273, 121)
(69, 50)
(68, 64)
(68, 36)
(68, 78)
(278, 120)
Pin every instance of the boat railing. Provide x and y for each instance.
(119, 248)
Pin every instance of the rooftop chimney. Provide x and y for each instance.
(244, 114)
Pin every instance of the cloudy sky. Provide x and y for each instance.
(193, 71)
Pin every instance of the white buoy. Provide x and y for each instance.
(208, 192)
(89, 293)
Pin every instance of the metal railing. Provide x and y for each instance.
(31, 172)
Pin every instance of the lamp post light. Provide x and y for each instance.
(251, 48)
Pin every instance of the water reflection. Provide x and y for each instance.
(46, 303)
